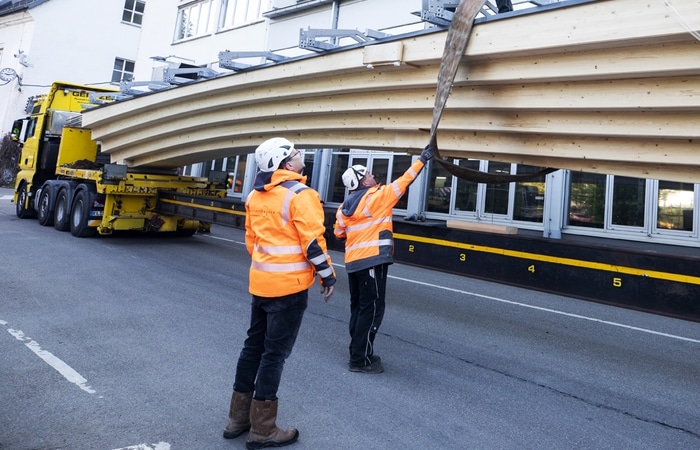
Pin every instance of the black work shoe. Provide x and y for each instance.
(375, 367)
(372, 359)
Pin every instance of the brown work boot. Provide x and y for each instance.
(263, 429)
(238, 415)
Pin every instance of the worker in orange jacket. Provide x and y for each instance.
(364, 221)
(285, 239)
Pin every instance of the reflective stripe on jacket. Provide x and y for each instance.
(284, 236)
(364, 220)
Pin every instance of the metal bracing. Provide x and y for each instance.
(309, 39)
(227, 59)
(188, 74)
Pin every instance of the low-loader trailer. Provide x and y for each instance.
(66, 182)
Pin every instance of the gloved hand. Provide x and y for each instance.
(427, 154)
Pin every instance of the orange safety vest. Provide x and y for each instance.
(364, 221)
(284, 236)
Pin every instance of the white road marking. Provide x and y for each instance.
(61, 367)
(6, 197)
(158, 446)
(525, 305)
(553, 311)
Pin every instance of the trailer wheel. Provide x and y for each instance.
(61, 213)
(80, 216)
(44, 214)
(22, 211)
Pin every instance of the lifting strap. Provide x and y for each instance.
(455, 46)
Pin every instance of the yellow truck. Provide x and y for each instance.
(66, 182)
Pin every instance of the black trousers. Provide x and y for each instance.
(367, 304)
(274, 326)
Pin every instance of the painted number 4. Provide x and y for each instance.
(531, 268)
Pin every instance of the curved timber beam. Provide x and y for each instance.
(607, 87)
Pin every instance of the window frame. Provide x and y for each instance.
(133, 12)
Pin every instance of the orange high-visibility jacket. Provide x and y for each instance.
(284, 235)
(364, 220)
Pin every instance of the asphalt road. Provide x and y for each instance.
(130, 342)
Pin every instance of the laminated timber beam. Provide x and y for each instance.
(611, 86)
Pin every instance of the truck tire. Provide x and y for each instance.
(44, 212)
(22, 211)
(80, 216)
(61, 215)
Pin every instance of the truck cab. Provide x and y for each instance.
(41, 133)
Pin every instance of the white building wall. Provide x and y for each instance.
(67, 40)
(16, 32)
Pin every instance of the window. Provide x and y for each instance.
(399, 164)
(676, 206)
(194, 20)
(497, 195)
(336, 189)
(528, 205)
(237, 12)
(467, 191)
(587, 200)
(628, 201)
(133, 11)
(439, 193)
(123, 70)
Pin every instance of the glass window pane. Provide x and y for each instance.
(629, 196)
(466, 190)
(587, 200)
(309, 158)
(676, 206)
(401, 164)
(240, 173)
(336, 188)
(439, 190)
(528, 204)
(380, 170)
(496, 201)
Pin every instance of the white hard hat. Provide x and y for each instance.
(353, 176)
(272, 152)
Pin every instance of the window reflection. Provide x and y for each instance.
(439, 190)
(676, 206)
(336, 188)
(528, 204)
(496, 201)
(466, 194)
(401, 164)
(587, 200)
(629, 197)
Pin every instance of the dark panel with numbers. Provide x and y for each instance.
(661, 279)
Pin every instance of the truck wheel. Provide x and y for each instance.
(22, 211)
(80, 216)
(44, 214)
(60, 213)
